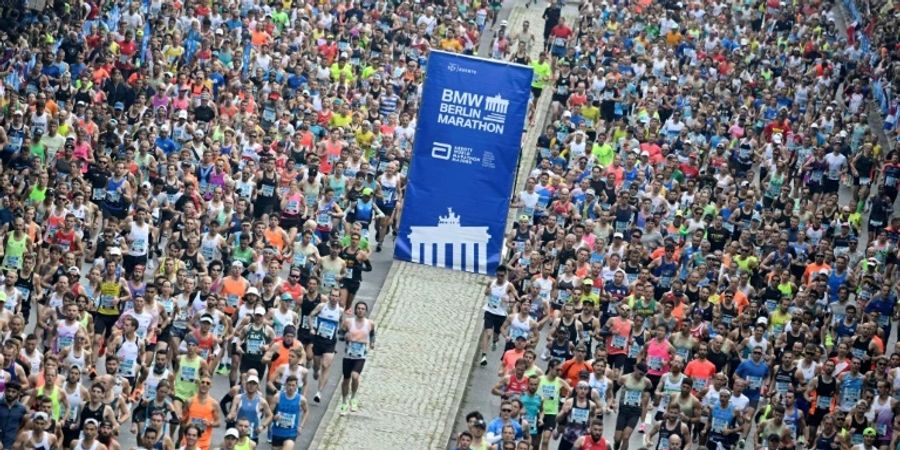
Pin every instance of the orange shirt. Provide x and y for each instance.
(740, 300)
(813, 268)
(571, 369)
(510, 357)
(258, 38)
(282, 357)
(701, 371)
(234, 291)
(198, 411)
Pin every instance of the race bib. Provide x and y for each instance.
(580, 415)
(285, 420)
(823, 402)
(139, 246)
(188, 373)
(126, 367)
(632, 398)
(356, 349)
(755, 382)
(619, 341)
(299, 259)
(494, 301)
(548, 392)
(254, 346)
(326, 328)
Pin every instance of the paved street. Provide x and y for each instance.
(428, 323)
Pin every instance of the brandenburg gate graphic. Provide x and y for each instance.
(468, 245)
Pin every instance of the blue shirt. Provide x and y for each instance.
(754, 373)
(11, 418)
(496, 427)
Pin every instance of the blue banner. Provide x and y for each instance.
(464, 159)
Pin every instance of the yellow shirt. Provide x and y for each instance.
(341, 121)
(365, 138)
(451, 45)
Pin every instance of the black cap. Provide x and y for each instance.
(290, 329)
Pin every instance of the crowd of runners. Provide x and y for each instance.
(191, 192)
(705, 254)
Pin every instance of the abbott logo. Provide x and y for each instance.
(453, 67)
(440, 150)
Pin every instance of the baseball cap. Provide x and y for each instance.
(367, 191)
(762, 321)
(232, 432)
(869, 432)
(618, 236)
(290, 329)
(207, 318)
(238, 264)
(182, 114)
(260, 310)
(253, 379)
(119, 105)
(252, 291)
(115, 251)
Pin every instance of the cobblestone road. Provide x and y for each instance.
(414, 380)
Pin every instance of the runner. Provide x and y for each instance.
(360, 339)
(328, 317)
(289, 415)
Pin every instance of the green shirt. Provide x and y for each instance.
(280, 18)
(605, 153)
(550, 394)
(542, 74)
(363, 242)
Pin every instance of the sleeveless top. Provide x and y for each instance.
(288, 415)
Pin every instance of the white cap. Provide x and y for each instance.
(182, 114)
(253, 379)
(618, 236)
(762, 321)
(253, 291)
(115, 251)
(260, 310)
(776, 138)
(237, 264)
(233, 432)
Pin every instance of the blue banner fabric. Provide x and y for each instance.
(467, 143)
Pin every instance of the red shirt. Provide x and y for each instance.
(561, 31)
(66, 240)
(127, 48)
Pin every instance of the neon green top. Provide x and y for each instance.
(186, 382)
(550, 393)
(15, 250)
(542, 74)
